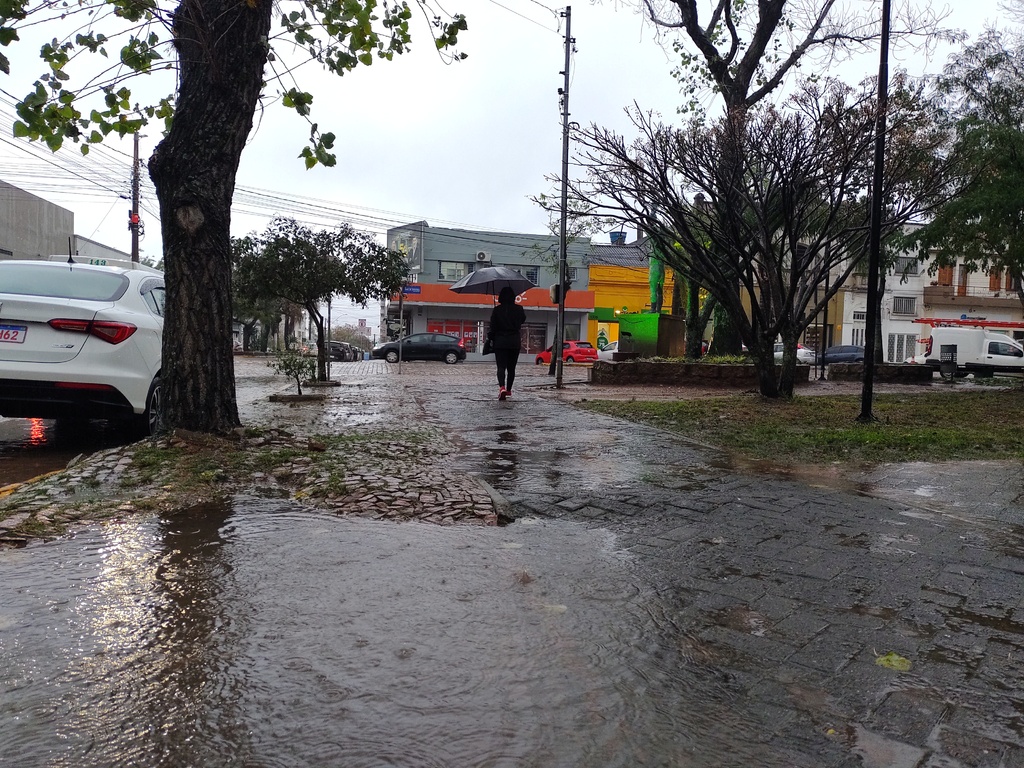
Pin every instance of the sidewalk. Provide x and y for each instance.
(880, 631)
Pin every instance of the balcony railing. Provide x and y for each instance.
(937, 294)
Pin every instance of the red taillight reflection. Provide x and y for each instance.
(80, 385)
(110, 332)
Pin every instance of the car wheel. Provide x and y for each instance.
(538, 361)
(451, 358)
(570, 359)
(151, 422)
(391, 356)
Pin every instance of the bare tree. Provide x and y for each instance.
(743, 51)
(761, 207)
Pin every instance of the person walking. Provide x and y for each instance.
(507, 319)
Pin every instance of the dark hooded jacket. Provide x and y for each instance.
(507, 319)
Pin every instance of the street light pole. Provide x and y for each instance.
(875, 234)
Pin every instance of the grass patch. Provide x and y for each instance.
(932, 426)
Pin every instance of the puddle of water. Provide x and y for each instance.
(31, 447)
(260, 634)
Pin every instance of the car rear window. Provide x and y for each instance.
(583, 344)
(64, 282)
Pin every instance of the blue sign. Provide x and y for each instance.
(411, 289)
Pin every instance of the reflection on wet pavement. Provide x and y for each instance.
(259, 634)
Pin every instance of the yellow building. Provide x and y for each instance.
(620, 281)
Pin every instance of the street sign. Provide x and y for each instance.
(411, 289)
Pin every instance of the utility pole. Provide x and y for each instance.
(556, 348)
(133, 215)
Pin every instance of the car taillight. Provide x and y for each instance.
(110, 332)
(928, 347)
(461, 344)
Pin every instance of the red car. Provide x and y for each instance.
(572, 352)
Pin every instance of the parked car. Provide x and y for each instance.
(606, 354)
(341, 351)
(81, 341)
(804, 355)
(844, 353)
(422, 346)
(572, 352)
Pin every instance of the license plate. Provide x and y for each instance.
(13, 334)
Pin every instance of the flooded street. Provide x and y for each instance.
(649, 603)
(254, 634)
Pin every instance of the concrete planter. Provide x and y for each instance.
(681, 373)
(892, 373)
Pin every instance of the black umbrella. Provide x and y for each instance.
(490, 281)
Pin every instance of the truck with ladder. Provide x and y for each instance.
(958, 347)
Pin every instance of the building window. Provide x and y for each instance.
(901, 346)
(907, 266)
(860, 317)
(945, 276)
(961, 286)
(570, 272)
(994, 278)
(530, 273)
(904, 305)
(451, 271)
(857, 337)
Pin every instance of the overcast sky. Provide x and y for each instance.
(462, 144)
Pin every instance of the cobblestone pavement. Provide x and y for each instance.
(876, 614)
(879, 614)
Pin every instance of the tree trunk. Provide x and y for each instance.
(764, 364)
(321, 343)
(222, 51)
(694, 327)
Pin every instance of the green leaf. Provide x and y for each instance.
(21, 130)
(894, 661)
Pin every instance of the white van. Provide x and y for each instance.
(978, 351)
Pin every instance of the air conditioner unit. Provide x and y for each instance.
(483, 256)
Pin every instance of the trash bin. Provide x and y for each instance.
(947, 360)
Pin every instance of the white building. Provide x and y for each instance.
(953, 293)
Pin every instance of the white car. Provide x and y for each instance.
(804, 356)
(80, 342)
(609, 349)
